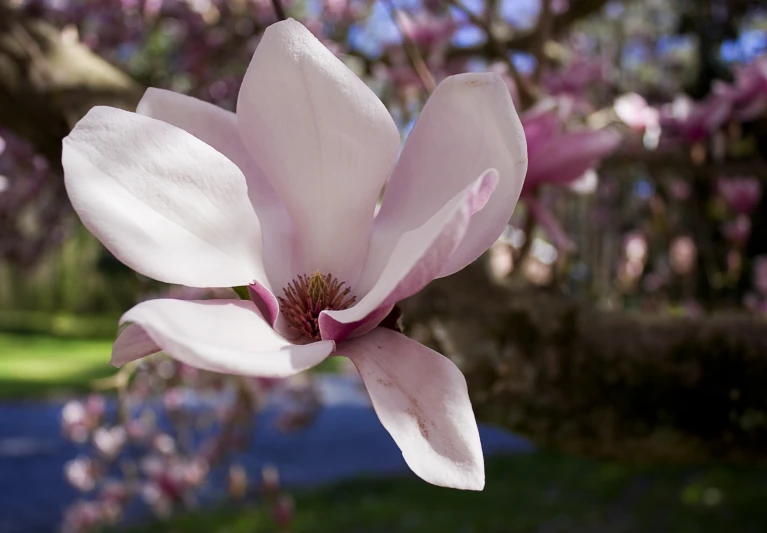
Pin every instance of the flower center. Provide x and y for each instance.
(307, 296)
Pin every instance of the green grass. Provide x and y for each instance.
(33, 365)
(536, 493)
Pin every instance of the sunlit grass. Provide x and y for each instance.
(34, 365)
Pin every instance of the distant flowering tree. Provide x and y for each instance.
(172, 426)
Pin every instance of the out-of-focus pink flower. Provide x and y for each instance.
(283, 511)
(427, 30)
(632, 109)
(501, 260)
(737, 231)
(635, 247)
(559, 157)
(110, 442)
(186, 193)
(760, 274)
(748, 94)
(578, 76)
(79, 419)
(114, 491)
(696, 121)
(683, 253)
(81, 474)
(238, 482)
(741, 194)
(82, 517)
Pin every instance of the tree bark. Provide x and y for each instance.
(601, 384)
(47, 82)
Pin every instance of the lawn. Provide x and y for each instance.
(36, 365)
(535, 493)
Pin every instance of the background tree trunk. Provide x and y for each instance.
(601, 384)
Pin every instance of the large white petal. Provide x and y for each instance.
(324, 140)
(422, 400)
(218, 128)
(226, 336)
(163, 202)
(417, 258)
(468, 125)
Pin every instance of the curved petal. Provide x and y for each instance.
(226, 336)
(417, 258)
(467, 126)
(566, 157)
(422, 400)
(132, 343)
(324, 140)
(218, 128)
(163, 202)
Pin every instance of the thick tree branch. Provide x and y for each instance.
(600, 384)
(527, 41)
(47, 83)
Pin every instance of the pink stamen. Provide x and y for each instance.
(307, 296)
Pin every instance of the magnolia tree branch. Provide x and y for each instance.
(601, 384)
(527, 41)
(411, 49)
(48, 82)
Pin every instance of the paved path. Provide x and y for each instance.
(344, 441)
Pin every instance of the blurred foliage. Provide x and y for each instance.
(43, 366)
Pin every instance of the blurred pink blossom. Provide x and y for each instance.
(683, 254)
(82, 517)
(632, 109)
(80, 473)
(741, 194)
(738, 230)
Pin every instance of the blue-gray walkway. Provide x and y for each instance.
(345, 440)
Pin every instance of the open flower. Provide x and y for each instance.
(280, 197)
(561, 158)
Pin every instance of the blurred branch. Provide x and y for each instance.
(526, 91)
(47, 82)
(544, 34)
(279, 11)
(601, 384)
(411, 49)
(527, 41)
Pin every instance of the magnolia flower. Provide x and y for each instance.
(632, 109)
(748, 94)
(561, 158)
(279, 198)
(741, 194)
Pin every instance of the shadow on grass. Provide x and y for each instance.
(534, 493)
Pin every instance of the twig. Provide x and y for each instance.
(544, 33)
(417, 62)
(526, 92)
(279, 10)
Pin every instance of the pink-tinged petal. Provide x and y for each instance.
(422, 400)
(416, 259)
(225, 336)
(566, 157)
(324, 140)
(218, 128)
(163, 202)
(132, 343)
(468, 125)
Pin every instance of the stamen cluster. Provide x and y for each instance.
(307, 296)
